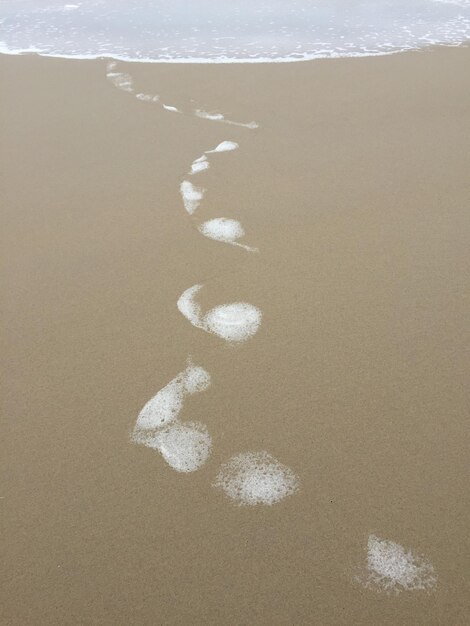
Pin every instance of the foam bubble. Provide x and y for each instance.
(168, 107)
(225, 230)
(224, 146)
(252, 478)
(185, 447)
(235, 322)
(391, 568)
(191, 195)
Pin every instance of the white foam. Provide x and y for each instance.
(289, 32)
(191, 195)
(189, 308)
(185, 447)
(215, 117)
(164, 407)
(225, 230)
(121, 80)
(218, 117)
(168, 107)
(235, 322)
(252, 478)
(391, 568)
(146, 97)
(199, 165)
(225, 146)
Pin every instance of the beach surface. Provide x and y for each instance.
(355, 189)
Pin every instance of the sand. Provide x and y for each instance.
(355, 190)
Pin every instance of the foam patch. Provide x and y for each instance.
(235, 322)
(226, 230)
(391, 568)
(218, 117)
(224, 146)
(168, 107)
(185, 447)
(191, 195)
(189, 308)
(199, 165)
(252, 478)
(146, 97)
(121, 80)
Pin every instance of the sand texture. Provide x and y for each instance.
(349, 194)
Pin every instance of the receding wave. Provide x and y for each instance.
(248, 31)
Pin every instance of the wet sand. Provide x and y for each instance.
(355, 190)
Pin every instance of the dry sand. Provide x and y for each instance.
(355, 188)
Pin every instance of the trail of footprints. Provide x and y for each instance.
(124, 82)
(248, 478)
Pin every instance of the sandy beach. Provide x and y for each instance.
(355, 189)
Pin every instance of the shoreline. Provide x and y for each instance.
(232, 60)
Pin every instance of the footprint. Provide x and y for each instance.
(184, 446)
(224, 146)
(121, 80)
(225, 230)
(391, 568)
(124, 82)
(191, 195)
(252, 478)
(218, 117)
(199, 165)
(235, 322)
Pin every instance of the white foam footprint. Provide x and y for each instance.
(121, 80)
(191, 195)
(225, 230)
(199, 165)
(224, 146)
(252, 478)
(124, 82)
(235, 322)
(391, 568)
(146, 97)
(168, 107)
(218, 117)
(185, 447)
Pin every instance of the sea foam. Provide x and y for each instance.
(225, 230)
(391, 568)
(184, 446)
(234, 32)
(252, 478)
(235, 322)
